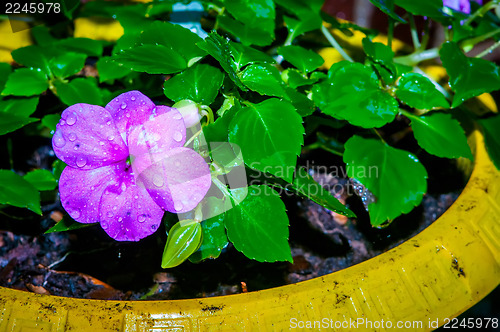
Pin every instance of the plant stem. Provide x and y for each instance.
(379, 136)
(334, 43)
(488, 50)
(390, 32)
(480, 12)
(407, 114)
(414, 33)
(417, 57)
(426, 35)
(467, 45)
(193, 137)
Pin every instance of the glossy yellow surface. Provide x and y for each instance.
(10, 41)
(98, 28)
(439, 273)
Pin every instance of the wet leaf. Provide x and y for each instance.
(184, 238)
(67, 224)
(264, 79)
(418, 91)
(303, 59)
(41, 179)
(25, 82)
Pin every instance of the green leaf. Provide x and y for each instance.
(395, 177)
(303, 59)
(254, 13)
(244, 55)
(85, 46)
(431, 8)
(67, 224)
(67, 64)
(418, 91)
(218, 131)
(200, 83)
(440, 135)
(258, 226)
(184, 239)
(387, 6)
(270, 135)
(175, 37)
(25, 82)
(41, 179)
(247, 34)
(305, 185)
(10, 122)
(35, 57)
(264, 79)
(295, 79)
(5, 70)
(16, 191)
(57, 167)
(308, 21)
(492, 137)
(51, 120)
(23, 107)
(152, 59)
(110, 70)
(220, 49)
(302, 104)
(79, 90)
(352, 93)
(69, 6)
(380, 53)
(299, 7)
(469, 77)
(214, 231)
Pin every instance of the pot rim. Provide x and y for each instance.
(438, 274)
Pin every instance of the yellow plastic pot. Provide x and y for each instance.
(438, 274)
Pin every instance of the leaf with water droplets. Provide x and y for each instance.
(16, 191)
(184, 238)
(25, 82)
(394, 176)
(469, 77)
(67, 224)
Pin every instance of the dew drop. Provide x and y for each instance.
(177, 116)
(178, 136)
(124, 186)
(109, 214)
(76, 147)
(108, 123)
(123, 106)
(158, 180)
(141, 218)
(81, 161)
(101, 143)
(76, 214)
(111, 137)
(72, 137)
(136, 197)
(62, 122)
(59, 141)
(178, 206)
(120, 219)
(127, 115)
(115, 208)
(71, 119)
(132, 98)
(104, 225)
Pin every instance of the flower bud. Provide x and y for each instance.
(189, 111)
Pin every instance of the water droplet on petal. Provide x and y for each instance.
(59, 141)
(177, 116)
(158, 180)
(132, 98)
(81, 161)
(124, 186)
(108, 123)
(115, 208)
(101, 143)
(178, 206)
(178, 136)
(71, 119)
(111, 137)
(62, 122)
(136, 197)
(127, 115)
(123, 106)
(120, 219)
(109, 214)
(72, 137)
(141, 218)
(76, 147)
(104, 225)
(75, 214)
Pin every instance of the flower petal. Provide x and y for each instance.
(86, 138)
(129, 110)
(127, 212)
(178, 181)
(156, 136)
(81, 191)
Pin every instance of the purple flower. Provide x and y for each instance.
(460, 5)
(127, 164)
